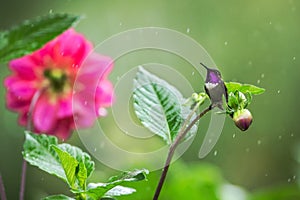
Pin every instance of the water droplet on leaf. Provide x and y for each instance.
(188, 30)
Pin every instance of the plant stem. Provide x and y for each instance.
(2, 189)
(34, 100)
(182, 133)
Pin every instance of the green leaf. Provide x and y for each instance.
(63, 160)
(58, 197)
(119, 191)
(107, 198)
(98, 190)
(158, 105)
(244, 88)
(77, 165)
(233, 101)
(33, 34)
(38, 152)
(80, 156)
(69, 164)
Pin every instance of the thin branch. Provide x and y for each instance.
(182, 133)
(2, 189)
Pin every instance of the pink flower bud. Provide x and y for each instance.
(242, 119)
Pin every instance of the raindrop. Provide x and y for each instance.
(262, 75)
(50, 11)
(258, 81)
(215, 153)
(294, 177)
(233, 136)
(120, 23)
(292, 135)
(156, 33)
(193, 73)
(225, 43)
(289, 180)
(102, 112)
(250, 62)
(278, 91)
(209, 141)
(294, 58)
(248, 150)
(188, 30)
(258, 142)
(266, 175)
(74, 65)
(85, 103)
(270, 22)
(19, 97)
(95, 149)
(279, 137)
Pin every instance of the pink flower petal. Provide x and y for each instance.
(104, 94)
(65, 108)
(44, 116)
(24, 67)
(64, 128)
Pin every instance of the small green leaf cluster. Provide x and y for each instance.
(74, 167)
(239, 98)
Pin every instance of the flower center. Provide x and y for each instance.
(57, 79)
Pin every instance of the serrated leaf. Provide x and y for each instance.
(119, 191)
(38, 152)
(158, 105)
(244, 88)
(58, 197)
(98, 190)
(80, 156)
(69, 164)
(82, 175)
(33, 34)
(129, 176)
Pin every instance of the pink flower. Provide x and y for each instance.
(73, 84)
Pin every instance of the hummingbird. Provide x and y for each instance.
(215, 87)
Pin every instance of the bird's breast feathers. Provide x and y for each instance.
(210, 86)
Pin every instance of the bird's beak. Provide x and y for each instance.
(204, 66)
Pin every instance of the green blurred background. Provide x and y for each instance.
(254, 42)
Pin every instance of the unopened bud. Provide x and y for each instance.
(242, 119)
